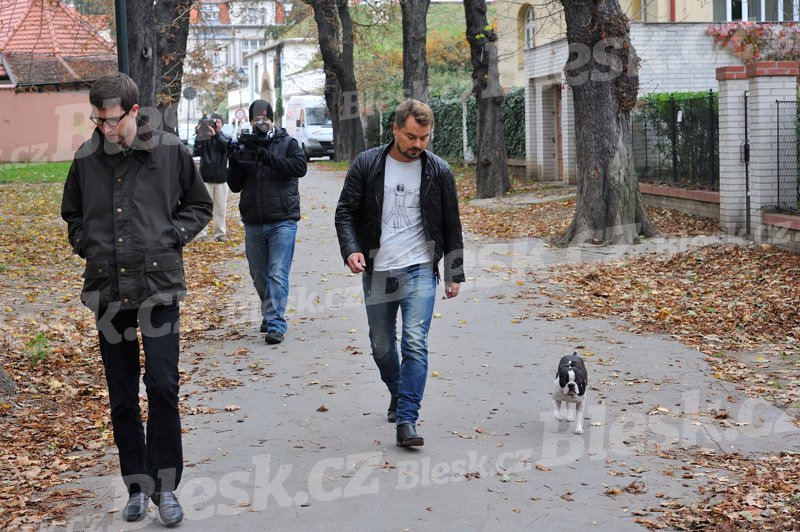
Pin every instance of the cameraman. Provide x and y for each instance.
(265, 167)
(211, 145)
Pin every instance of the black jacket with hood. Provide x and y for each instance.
(129, 214)
(360, 210)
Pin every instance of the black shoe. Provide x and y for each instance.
(391, 414)
(273, 337)
(169, 509)
(135, 508)
(264, 327)
(407, 436)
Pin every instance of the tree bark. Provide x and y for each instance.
(415, 62)
(335, 31)
(142, 49)
(172, 18)
(491, 170)
(602, 72)
(7, 386)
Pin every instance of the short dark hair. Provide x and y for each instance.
(421, 112)
(112, 89)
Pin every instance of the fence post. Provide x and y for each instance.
(674, 139)
(711, 143)
(732, 81)
(769, 82)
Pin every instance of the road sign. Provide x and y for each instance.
(240, 114)
(189, 93)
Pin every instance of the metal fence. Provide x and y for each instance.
(676, 142)
(787, 146)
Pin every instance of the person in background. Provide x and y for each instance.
(132, 200)
(265, 167)
(396, 219)
(211, 145)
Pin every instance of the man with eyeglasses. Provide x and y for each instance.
(132, 200)
(265, 167)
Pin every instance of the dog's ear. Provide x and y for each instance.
(574, 353)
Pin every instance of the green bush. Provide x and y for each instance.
(447, 141)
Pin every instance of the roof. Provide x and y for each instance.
(48, 42)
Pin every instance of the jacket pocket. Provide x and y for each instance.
(96, 291)
(164, 275)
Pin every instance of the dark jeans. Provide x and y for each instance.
(154, 461)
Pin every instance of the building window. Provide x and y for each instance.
(210, 13)
(529, 28)
(757, 10)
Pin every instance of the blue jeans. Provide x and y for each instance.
(270, 249)
(413, 291)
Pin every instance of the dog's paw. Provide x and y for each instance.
(579, 430)
(569, 417)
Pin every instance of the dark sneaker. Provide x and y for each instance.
(169, 509)
(264, 327)
(135, 508)
(273, 337)
(407, 436)
(391, 413)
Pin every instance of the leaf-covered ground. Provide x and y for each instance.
(57, 424)
(736, 304)
(549, 219)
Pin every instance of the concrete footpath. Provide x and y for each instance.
(305, 444)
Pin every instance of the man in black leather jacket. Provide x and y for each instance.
(397, 218)
(265, 167)
(211, 145)
(132, 200)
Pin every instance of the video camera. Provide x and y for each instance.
(203, 126)
(246, 145)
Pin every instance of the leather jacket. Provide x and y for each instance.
(359, 211)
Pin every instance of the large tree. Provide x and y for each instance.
(415, 63)
(157, 33)
(335, 31)
(602, 72)
(491, 168)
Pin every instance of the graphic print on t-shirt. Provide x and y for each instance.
(402, 201)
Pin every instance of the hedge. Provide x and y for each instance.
(447, 138)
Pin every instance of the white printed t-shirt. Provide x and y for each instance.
(402, 235)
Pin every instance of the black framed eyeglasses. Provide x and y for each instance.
(113, 122)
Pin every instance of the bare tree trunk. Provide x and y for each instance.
(142, 49)
(492, 168)
(602, 72)
(415, 62)
(7, 386)
(172, 18)
(335, 30)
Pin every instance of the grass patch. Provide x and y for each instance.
(34, 172)
(38, 348)
(342, 166)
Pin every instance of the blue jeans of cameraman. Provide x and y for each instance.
(270, 250)
(412, 291)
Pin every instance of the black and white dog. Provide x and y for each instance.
(570, 387)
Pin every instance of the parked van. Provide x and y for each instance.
(308, 121)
